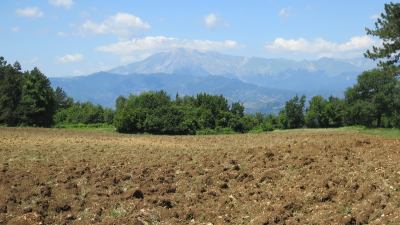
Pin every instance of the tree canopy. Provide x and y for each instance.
(292, 116)
(372, 100)
(387, 28)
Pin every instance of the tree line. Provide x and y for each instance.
(156, 112)
(27, 99)
(373, 102)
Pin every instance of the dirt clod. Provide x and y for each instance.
(138, 194)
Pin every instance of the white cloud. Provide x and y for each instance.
(211, 20)
(284, 12)
(148, 45)
(320, 47)
(31, 12)
(70, 58)
(122, 24)
(62, 3)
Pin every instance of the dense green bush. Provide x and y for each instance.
(322, 113)
(157, 113)
(84, 113)
(153, 112)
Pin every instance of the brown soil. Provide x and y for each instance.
(50, 176)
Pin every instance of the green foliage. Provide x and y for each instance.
(84, 113)
(373, 98)
(292, 116)
(28, 99)
(212, 110)
(10, 92)
(387, 28)
(237, 109)
(316, 113)
(271, 123)
(62, 100)
(37, 104)
(242, 124)
(108, 116)
(335, 112)
(153, 112)
(323, 113)
(361, 113)
(184, 115)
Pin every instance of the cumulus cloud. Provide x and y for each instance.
(30, 12)
(161, 43)
(152, 44)
(70, 58)
(210, 20)
(122, 24)
(62, 3)
(320, 47)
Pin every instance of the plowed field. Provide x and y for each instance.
(50, 176)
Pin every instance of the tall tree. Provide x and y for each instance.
(292, 116)
(335, 111)
(316, 113)
(237, 108)
(37, 100)
(387, 28)
(62, 100)
(10, 92)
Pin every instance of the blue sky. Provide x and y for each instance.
(76, 37)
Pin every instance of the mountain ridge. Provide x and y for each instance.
(261, 84)
(219, 64)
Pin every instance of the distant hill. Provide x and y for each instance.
(261, 84)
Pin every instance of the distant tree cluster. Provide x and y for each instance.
(320, 113)
(373, 102)
(156, 112)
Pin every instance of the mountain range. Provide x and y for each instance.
(261, 84)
